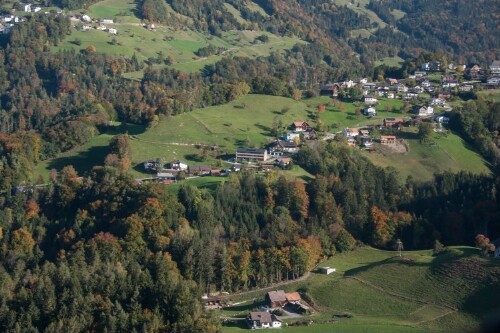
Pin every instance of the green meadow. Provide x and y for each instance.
(449, 153)
(385, 293)
(181, 43)
(248, 121)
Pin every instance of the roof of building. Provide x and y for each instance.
(263, 317)
(393, 119)
(293, 297)
(243, 150)
(388, 137)
(199, 168)
(277, 296)
(299, 123)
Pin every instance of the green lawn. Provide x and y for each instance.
(450, 153)
(386, 293)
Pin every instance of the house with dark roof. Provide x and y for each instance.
(251, 154)
(199, 170)
(393, 122)
(280, 147)
(259, 320)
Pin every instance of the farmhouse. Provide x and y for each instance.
(27, 7)
(177, 165)
(211, 303)
(86, 18)
(167, 177)
(276, 299)
(300, 126)
(199, 170)
(495, 67)
(112, 31)
(393, 122)
(107, 21)
(258, 320)
(387, 139)
(279, 146)
(366, 142)
(370, 100)
(251, 154)
(331, 89)
(475, 70)
(351, 132)
(390, 95)
(424, 111)
(370, 111)
(401, 87)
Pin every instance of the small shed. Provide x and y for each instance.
(327, 270)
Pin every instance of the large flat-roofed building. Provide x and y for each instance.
(251, 154)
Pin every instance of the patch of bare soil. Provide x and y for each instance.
(400, 147)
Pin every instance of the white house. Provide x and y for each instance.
(86, 27)
(350, 132)
(370, 111)
(112, 31)
(102, 27)
(27, 7)
(7, 18)
(291, 136)
(86, 18)
(425, 111)
(107, 21)
(178, 165)
(390, 95)
(370, 100)
(438, 101)
(495, 67)
(37, 9)
(257, 320)
(401, 87)
(442, 119)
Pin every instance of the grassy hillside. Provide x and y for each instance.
(244, 122)
(179, 42)
(248, 122)
(415, 293)
(450, 153)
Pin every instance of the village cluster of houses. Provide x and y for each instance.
(278, 153)
(274, 300)
(175, 170)
(407, 90)
(9, 20)
(90, 23)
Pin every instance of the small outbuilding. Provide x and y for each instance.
(327, 270)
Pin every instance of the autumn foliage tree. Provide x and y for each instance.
(484, 244)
